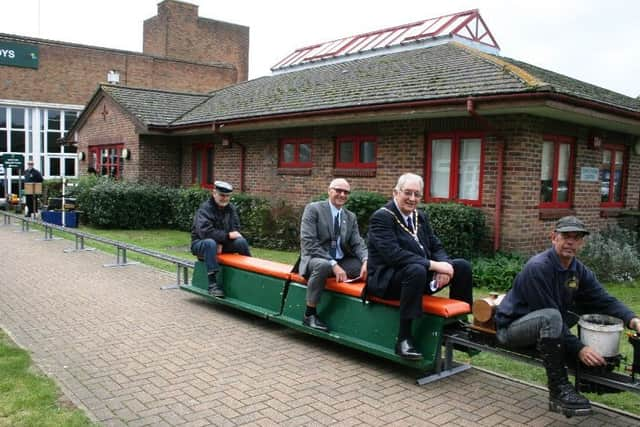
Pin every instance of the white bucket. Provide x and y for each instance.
(601, 332)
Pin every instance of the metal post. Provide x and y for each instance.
(124, 258)
(79, 245)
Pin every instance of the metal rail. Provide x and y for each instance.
(182, 265)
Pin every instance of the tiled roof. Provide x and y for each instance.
(446, 71)
(154, 107)
(568, 86)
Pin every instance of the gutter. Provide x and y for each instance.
(597, 106)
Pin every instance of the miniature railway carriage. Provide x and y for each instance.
(270, 290)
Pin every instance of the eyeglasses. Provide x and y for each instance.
(341, 191)
(409, 193)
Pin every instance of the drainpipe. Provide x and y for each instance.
(497, 216)
(243, 153)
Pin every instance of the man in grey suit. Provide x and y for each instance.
(331, 245)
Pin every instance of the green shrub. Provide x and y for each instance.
(118, 204)
(612, 254)
(363, 204)
(51, 188)
(184, 203)
(281, 228)
(460, 228)
(496, 273)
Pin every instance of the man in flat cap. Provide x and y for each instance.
(542, 305)
(215, 229)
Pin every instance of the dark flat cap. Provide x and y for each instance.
(223, 187)
(569, 224)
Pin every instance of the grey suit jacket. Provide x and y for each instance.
(316, 231)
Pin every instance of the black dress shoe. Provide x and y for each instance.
(216, 290)
(315, 322)
(406, 350)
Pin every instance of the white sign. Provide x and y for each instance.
(589, 174)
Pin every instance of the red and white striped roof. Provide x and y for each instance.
(468, 27)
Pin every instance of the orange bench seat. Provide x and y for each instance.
(256, 265)
(438, 306)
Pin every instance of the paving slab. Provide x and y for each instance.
(132, 354)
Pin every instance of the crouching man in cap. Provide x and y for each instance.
(215, 229)
(541, 307)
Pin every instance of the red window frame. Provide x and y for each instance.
(202, 151)
(296, 163)
(455, 138)
(557, 142)
(356, 141)
(114, 169)
(612, 166)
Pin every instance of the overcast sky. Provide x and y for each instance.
(592, 40)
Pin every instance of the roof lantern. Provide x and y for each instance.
(466, 27)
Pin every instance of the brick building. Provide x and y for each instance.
(523, 144)
(44, 84)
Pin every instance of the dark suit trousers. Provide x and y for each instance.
(319, 270)
(411, 282)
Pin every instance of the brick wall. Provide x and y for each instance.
(177, 32)
(400, 149)
(99, 130)
(523, 229)
(70, 74)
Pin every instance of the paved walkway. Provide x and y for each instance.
(132, 354)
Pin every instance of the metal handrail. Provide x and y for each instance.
(182, 265)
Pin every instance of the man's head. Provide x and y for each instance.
(408, 192)
(338, 191)
(221, 193)
(568, 237)
(29, 164)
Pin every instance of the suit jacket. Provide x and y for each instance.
(392, 247)
(316, 232)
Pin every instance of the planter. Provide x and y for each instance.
(55, 217)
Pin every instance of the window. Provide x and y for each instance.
(295, 153)
(356, 152)
(202, 165)
(18, 134)
(454, 165)
(556, 186)
(611, 175)
(107, 160)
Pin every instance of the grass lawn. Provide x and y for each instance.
(28, 398)
(177, 243)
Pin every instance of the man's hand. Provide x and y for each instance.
(635, 324)
(340, 274)
(363, 271)
(441, 267)
(442, 279)
(590, 357)
(233, 235)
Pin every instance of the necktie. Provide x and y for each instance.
(410, 224)
(336, 234)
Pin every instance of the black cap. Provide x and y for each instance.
(570, 224)
(223, 187)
